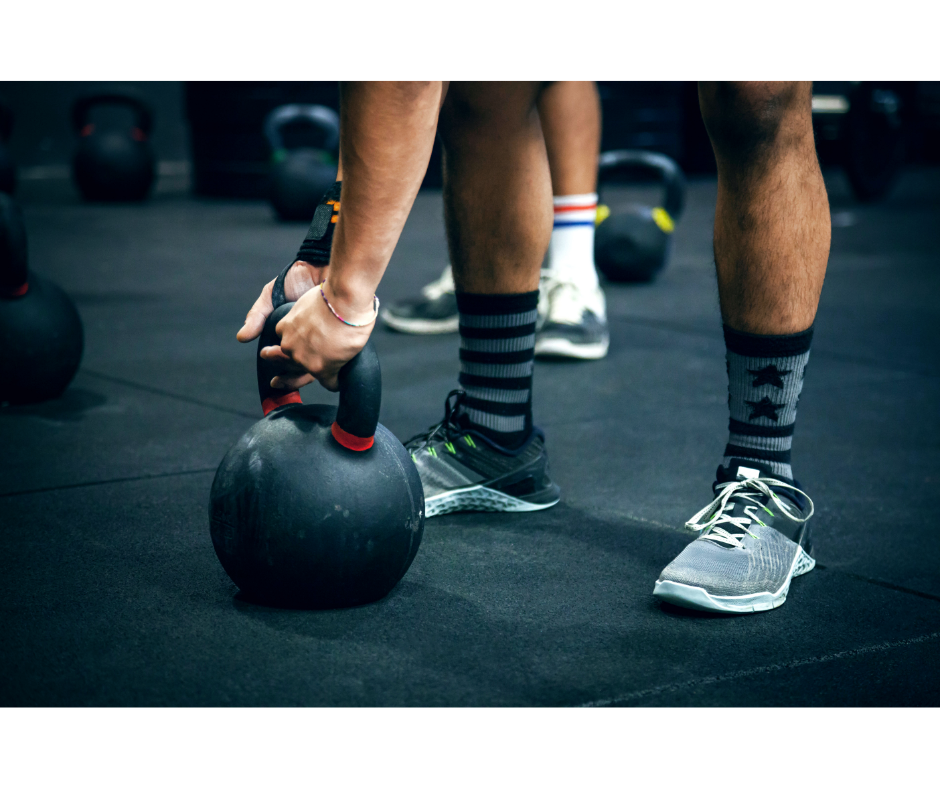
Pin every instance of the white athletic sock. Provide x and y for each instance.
(571, 251)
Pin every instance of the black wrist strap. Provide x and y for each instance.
(315, 248)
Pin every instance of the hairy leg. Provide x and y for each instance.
(571, 122)
(772, 225)
(497, 186)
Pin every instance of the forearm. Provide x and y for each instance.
(388, 131)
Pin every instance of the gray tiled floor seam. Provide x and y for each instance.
(170, 394)
(98, 482)
(662, 689)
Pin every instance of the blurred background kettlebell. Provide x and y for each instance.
(41, 337)
(633, 244)
(7, 170)
(301, 173)
(113, 164)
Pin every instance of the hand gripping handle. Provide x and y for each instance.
(360, 382)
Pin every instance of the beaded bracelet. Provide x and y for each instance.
(375, 309)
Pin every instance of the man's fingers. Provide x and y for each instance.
(291, 382)
(257, 315)
(274, 353)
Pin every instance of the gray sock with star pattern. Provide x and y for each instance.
(765, 378)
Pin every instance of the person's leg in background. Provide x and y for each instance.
(573, 315)
(487, 454)
(573, 309)
(772, 234)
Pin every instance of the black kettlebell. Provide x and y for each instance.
(301, 176)
(113, 165)
(634, 244)
(317, 507)
(41, 338)
(7, 170)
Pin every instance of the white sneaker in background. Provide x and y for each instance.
(572, 319)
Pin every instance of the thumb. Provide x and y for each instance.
(257, 315)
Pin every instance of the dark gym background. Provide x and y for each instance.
(204, 122)
(111, 594)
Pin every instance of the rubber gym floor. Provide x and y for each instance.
(111, 594)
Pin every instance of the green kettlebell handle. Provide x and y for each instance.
(670, 173)
(314, 115)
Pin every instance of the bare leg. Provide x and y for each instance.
(573, 307)
(497, 186)
(772, 232)
(571, 121)
(772, 225)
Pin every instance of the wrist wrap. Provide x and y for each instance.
(315, 248)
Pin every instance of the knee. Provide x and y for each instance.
(745, 117)
(400, 99)
(475, 113)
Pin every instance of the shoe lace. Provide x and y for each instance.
(446, 430)
(439, 287)
(718, 512)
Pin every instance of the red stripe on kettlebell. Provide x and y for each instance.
(14, 292)
(275, 402)
(138, 135)
(350, 441)
(88, 129)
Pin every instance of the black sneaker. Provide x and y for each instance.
(434, 313)
(462, 470)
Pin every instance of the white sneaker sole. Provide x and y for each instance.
(559, 346)
(698, 598)
(478, 499)
(448, 326)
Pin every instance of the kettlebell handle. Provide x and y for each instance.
(670, 173)
(143, 113)
(315, 115)
(360, 382)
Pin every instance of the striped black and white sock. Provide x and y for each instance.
(497, 350)
(765, 378)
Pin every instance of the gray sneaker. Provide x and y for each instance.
(740, 564)
(435, 312)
